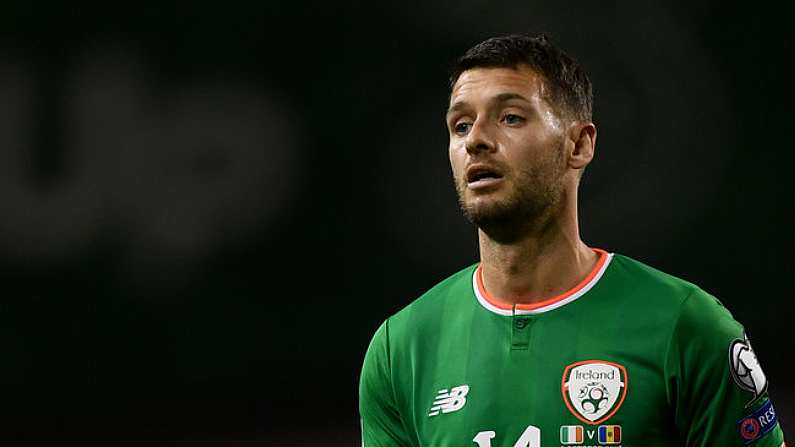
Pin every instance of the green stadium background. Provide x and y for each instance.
(206, 209)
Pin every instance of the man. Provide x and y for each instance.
(547, 341)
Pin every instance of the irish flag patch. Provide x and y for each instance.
(571, 434)
(610, 434)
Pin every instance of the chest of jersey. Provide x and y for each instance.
(563, 378)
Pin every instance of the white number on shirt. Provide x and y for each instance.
(530, 438)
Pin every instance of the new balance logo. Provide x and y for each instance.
(448, 401)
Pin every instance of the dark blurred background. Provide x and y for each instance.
(206, 209)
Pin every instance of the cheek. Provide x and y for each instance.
(536, 150)
(457, 160)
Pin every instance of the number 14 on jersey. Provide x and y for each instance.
(531, 437)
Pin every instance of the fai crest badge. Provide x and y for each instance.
(594, 389)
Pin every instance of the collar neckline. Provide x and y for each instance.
(491, 304)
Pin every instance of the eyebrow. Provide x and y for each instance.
(502, 97)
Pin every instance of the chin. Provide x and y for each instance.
(487, 212)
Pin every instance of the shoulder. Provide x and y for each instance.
(672, 302)
(401, 332)
(448, 297)
(710, 373)
(655, 287)
(448, 293)
(639, 274)
(696, 319)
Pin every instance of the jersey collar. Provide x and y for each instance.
(487, 301)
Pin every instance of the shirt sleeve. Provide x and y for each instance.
(380, 418)
(715, 382)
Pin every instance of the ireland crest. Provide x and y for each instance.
(594, 389)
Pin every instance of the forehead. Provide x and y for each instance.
(484, 83)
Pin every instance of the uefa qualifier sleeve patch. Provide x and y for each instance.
(758, 424)
(745, 368)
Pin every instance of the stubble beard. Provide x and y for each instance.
(536, 197)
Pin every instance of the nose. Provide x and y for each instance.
(480, 138)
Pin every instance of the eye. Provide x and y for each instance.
(462, 128)
(512, 119)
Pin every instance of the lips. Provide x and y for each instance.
(482, 175)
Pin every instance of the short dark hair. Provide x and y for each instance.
(569, 86)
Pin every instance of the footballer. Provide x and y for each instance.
(548, 341)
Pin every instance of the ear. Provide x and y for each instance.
(583, 136)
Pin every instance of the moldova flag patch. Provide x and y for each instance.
(610, 434)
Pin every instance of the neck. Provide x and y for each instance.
(543, 261)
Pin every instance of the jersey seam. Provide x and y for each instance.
(389, 363)
(391, 378)
(670, 343)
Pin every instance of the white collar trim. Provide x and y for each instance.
(508, 312)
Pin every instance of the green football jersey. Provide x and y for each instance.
(630, 357)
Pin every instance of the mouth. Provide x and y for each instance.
(482, 176)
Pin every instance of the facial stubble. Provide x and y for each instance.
(536, 195)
